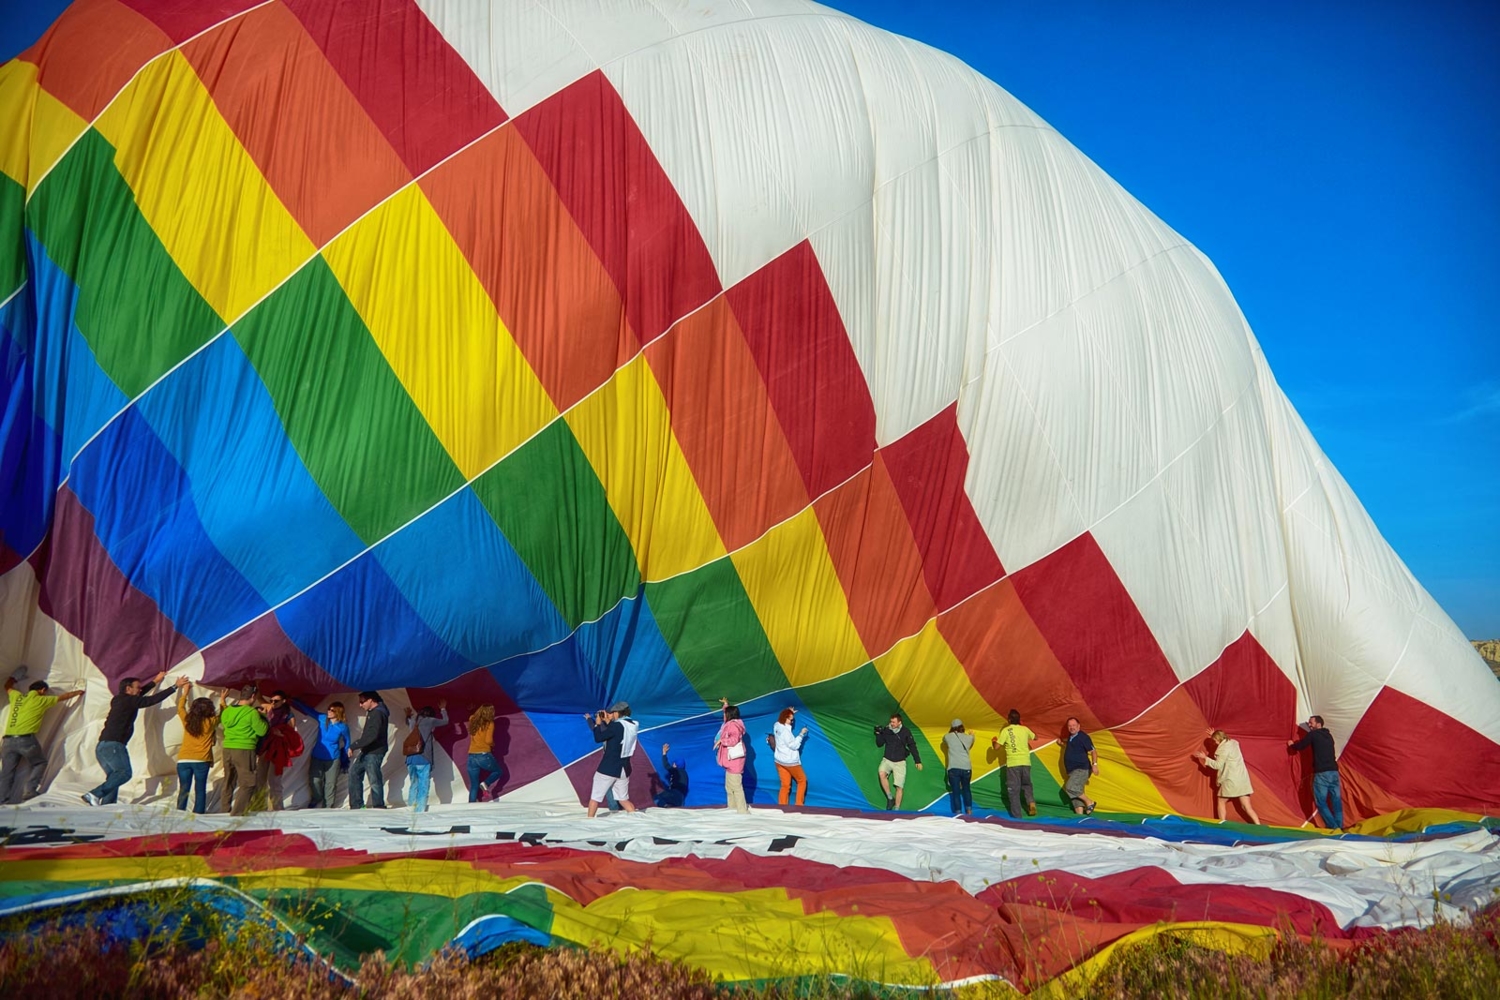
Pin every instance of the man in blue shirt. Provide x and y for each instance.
(1081, 763)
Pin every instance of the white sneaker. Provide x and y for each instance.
(92, 799)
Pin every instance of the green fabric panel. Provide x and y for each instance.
(551, 506)
(12, 236)
(711, 626)
(360, 435)
(409, 927)
(135, 308)
(848, 708)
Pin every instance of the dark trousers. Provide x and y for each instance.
(367, 767)
(239, 780)
(318, 783)
(193, 775)
(23, 763)
(960, 796)
(1018, 786)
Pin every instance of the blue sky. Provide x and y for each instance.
(1340, 163)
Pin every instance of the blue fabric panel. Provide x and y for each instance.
(146, 520)
(358, 627)
(469, 586)
(257, 501)
(30, 451)
(557, 686)
(493, 930)
(633, 663)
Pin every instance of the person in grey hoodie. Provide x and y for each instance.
(371, 747)
(960, 768)
(419, 764)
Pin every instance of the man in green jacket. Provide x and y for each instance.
(243, 725)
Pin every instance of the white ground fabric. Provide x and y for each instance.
(1363, 883)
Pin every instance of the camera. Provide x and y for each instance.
(878, 729)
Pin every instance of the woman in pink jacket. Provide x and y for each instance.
(730, 744)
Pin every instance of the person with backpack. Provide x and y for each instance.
(23, 762)
(332, 748)
(200, 720)
(730, 747)
(482, 761)
(786, 750)
(898, 744)
(417, 748)
(618, 732)
(277, 749)
(243, 724)
(1016, 739)
(113, 752)
(371, 746)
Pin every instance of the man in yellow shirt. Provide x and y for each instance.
(1015, 739)
(20, 750)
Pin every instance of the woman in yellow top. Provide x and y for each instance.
(196, 755)
(481, 753)
(1016, 739)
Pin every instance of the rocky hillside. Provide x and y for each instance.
(1490, 650)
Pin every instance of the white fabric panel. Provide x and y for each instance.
(1442, 669)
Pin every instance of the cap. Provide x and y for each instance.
(620, 706)
(956, 723)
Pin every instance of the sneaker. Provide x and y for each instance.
(890, 804)
(92, 799)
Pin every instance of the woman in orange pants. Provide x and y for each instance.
(789, 756)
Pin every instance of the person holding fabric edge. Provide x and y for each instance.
(482, 761)
(332, 746)
(1016, 739)
(418, 750)
(897, 744)
(674, 794)
(1080, 763)
(113, 752)
(618, 732)
(960, 768)
(787, 752)
(243, 724)
(729, 750)
(23, 762)
(1328, 792)
(371, 746)
(1234, 777)
(277, 749)
(195, 755)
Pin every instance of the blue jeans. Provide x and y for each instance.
(479, 765)
(115, 759)
(191, 773)
(367, 766)
(1328, 794)
(419, 770)
(960, 796)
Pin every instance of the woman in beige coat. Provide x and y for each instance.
(1234, 777)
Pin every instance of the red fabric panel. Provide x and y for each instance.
(91, 52)
(421, 93)
(877, 560)
(927, 468)
(724, 423)
(9, 558)
(289, 108)
(1093, 626)
(623, 202)
(1009, 662)
(555, 297)
(1245, 694)
(182, 19)
(123, 631)
(1362, 797)
(1428, 759)
(794, 329)
(521, 750)
(261, 651)
(1151, 895)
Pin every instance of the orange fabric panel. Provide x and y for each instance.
(1010, 664)
(1161, 742)
(1362, 797)
(871, 544)
(724, 422)
(550, 289)
(91, 52)
(289, 108)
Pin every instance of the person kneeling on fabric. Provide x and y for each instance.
(675, 781)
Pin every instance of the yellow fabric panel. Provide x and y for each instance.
(932, 687)
(625, 429)
(53, 131)
(128, 869)
(1410, 821)
(800, 602)
(1226, 937)
(439, 331)
(425, 876)
(18, 90)
(199, 190)
(757, 934)
(1119, 786)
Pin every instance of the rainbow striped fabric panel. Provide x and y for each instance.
(326, 367)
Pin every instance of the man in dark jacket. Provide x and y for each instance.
(371, 747)
(1328, 792)
(617, 731)
(674, 780)
(899, 745)
(112, 753)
